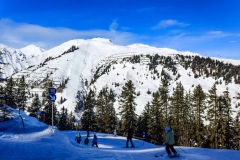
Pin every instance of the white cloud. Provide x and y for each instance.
(19, 35)
(219, 34)
(113, 25)
(169, 23)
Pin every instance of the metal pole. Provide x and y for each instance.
(52, 115)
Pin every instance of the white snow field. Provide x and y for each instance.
(38, 141)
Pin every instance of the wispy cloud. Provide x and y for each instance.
(169, 23)
(19, 35)
(219, 34)
(113, 25)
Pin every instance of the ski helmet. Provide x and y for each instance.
(168, 128)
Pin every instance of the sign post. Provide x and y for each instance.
(52, 97)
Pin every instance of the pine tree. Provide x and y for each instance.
(177, 113)
(62, 122)
(227, 121)
(199, 107)
(10, 92)
(156, 119)
(236, 133)
(212, 100)
(71, 120)
(189, 123)
(127, 106)
(164, 100)
(21, 96)
(105, 112)
(35, 106)
(143, 122)
(88, 120)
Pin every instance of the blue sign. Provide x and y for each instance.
(52, 98)
(143, 134)
(52, 91)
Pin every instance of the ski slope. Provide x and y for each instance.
(40, 141)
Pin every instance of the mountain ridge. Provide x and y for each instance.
(112, 64)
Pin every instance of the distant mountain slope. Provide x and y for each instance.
(104, 63)
(10, 59)
(32, 51)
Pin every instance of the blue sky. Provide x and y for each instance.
(208, 27)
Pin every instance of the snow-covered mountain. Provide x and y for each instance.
(10, 59)
(32, 51)
(104, 63)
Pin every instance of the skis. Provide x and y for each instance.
(159, 155)
(166, 156)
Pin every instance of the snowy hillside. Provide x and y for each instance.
(81, 60)
(39, 141)
(10, 59)
(32, 51)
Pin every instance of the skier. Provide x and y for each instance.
(169, 142)
(129, 138)
(86, 141)
(78, 138)
(94, 142)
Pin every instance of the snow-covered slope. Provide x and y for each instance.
(32, 51)
(39, 141)
(10, 60)
(80, 59)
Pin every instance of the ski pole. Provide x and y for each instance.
(182, 150)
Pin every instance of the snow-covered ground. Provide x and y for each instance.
(39, 141)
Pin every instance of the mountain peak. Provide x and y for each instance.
(32, 50)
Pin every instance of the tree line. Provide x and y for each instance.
(197, 118)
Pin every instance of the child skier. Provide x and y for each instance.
(78, 138)
(94, 142)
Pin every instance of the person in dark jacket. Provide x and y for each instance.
(78, 138)
(169, 142)
(129, 138)
(86, 141)
(95, 140)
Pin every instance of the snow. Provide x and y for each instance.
(32, 51)
(40, 141)
(80, 65)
